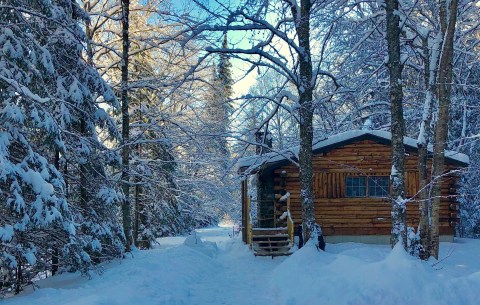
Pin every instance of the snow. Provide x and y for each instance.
(6, 233)
(285, 197)
(210, 267)
(30, 256)
(366, 274)
(368, 124)
(254, 162)
(38, 183)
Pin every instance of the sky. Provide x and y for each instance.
(242, 82)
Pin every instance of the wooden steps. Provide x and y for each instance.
(271, 242)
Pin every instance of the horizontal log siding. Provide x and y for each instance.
(339, 215)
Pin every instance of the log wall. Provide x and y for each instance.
(341, 215)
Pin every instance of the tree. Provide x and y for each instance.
(397, 176)
(430, 72)
(282, 126)
(448, 19)
(173, 142)
(47, 91)
(430, 41)
(83, 162)
(219, 109)
(126, 208)
(293, 20)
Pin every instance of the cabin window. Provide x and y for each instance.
(363, 186)
(356, 186)
(378, 186)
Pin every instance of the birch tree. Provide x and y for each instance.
(430, 39)
(448, 19)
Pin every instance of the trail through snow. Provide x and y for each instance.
(240, 279)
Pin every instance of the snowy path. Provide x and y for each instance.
(222, 271)
(240, 277)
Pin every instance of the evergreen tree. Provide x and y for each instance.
(220, 108)
(47, 93)
(91, 190)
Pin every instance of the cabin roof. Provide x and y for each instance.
(280, 158)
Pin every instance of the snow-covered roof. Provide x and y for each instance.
(254, 162)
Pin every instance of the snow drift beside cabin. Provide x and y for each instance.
(255, 162)
(366, 274)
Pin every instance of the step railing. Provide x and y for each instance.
(290, 224)
(287, 216)
(249, 222)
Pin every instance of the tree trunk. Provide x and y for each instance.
(137, 237)
(424, 200)
(136, 223)
(55, 254)
(441, 128)
(430, 70)
(126, 213)
(83, 172)
(19, 275)
(397, 177)
(305, 90)
(89, 33)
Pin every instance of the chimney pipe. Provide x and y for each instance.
(264, 142)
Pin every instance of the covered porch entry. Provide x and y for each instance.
(267, 224)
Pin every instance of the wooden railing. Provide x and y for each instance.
(249, 222)
(290, 226)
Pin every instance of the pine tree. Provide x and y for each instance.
(35, 210)
(91, 192)
(49, 99)
(126, 205)
(220, 108)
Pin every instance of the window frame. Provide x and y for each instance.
(367, 179)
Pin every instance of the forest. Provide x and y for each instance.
(123, 121)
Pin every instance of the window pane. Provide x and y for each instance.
(378, 186)
(362, 191)
(355, 186)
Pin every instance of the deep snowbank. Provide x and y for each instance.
(359, 274)
(160, 277)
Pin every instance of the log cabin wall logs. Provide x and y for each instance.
(342, 215)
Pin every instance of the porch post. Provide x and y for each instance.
(244, 209)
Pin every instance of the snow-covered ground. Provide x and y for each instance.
(213, 268)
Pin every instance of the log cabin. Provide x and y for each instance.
(351, 190)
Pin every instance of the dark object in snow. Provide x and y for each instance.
(321, 242)
(300, 236)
